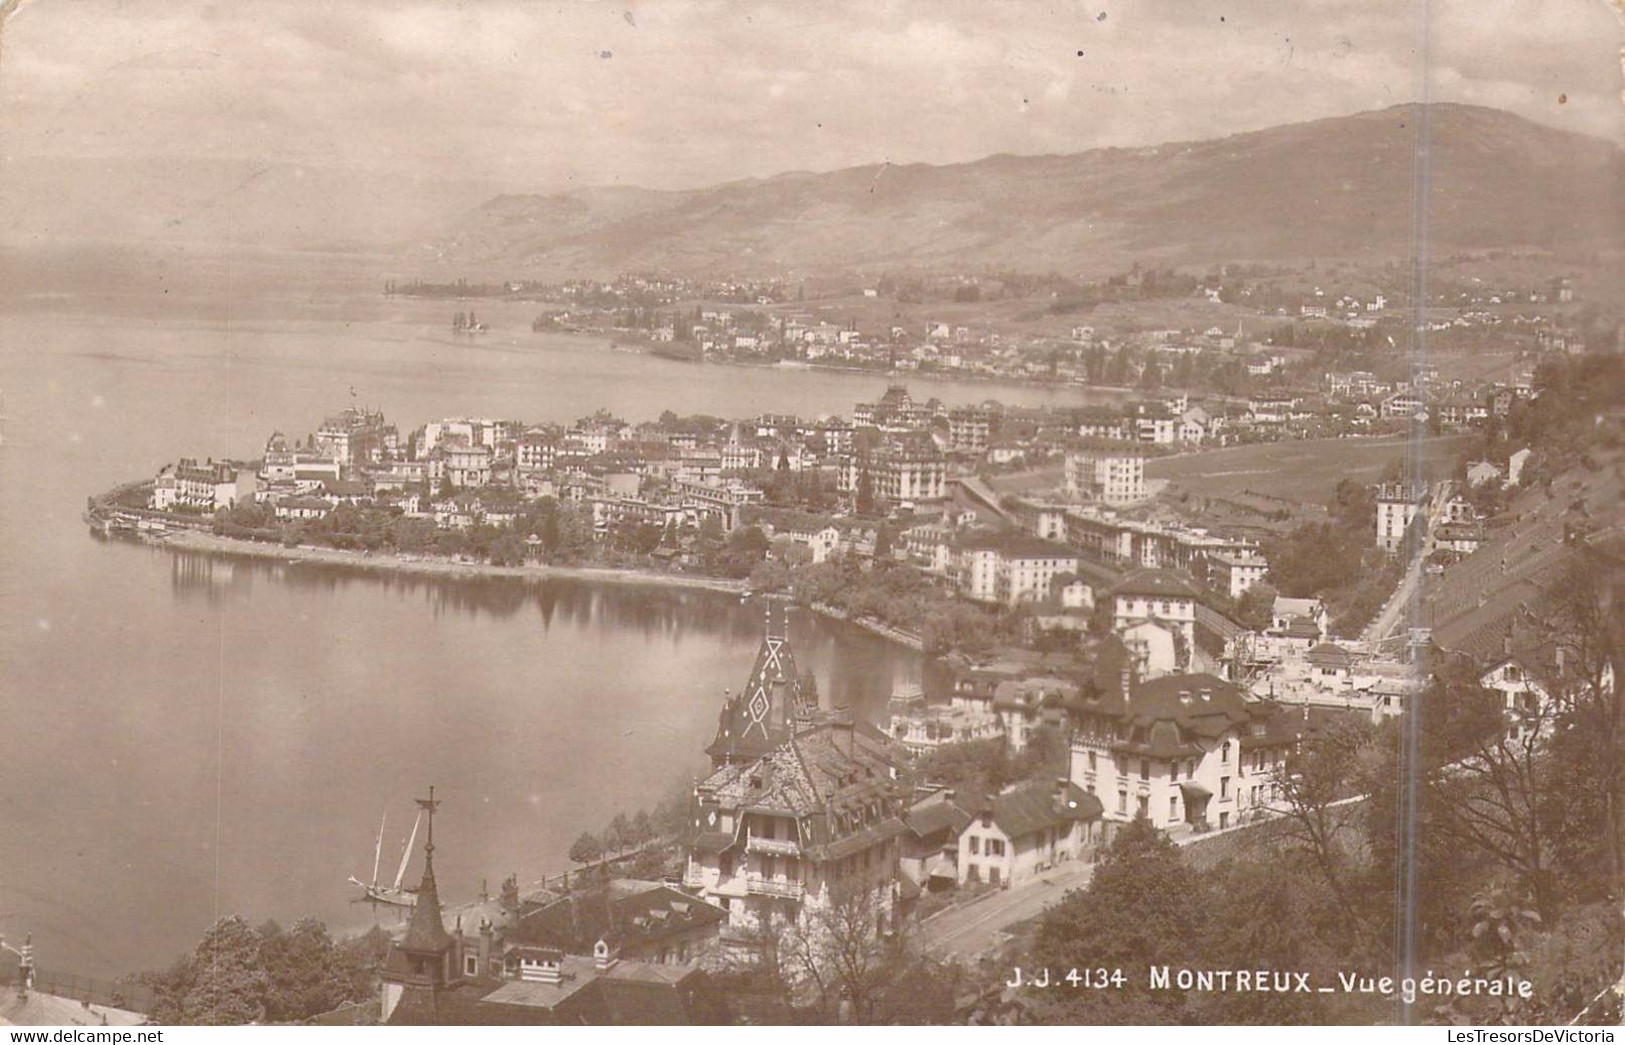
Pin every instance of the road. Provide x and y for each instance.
(1393, 614)
(968, 930)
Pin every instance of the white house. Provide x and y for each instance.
(1015, 836)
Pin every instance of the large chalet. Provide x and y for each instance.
(803, 810)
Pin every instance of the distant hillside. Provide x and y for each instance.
(1337, 187)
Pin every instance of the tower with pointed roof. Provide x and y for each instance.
(775, 702)
(422, 965)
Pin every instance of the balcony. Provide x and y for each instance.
(772, 846)
(757, 885)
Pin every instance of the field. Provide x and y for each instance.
(1303, 470)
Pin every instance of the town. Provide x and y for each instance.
(1233, 331)
(1115, 654)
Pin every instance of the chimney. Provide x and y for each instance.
(25, 966)
(547, 969)
(602, 957)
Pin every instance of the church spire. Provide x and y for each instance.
(426, 934)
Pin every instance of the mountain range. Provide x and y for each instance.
(1340, 187)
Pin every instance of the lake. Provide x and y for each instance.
(188, 737)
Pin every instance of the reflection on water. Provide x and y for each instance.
(855, 668)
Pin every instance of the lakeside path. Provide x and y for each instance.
(214, 544)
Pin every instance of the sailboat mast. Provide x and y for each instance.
(406, 855)
(378, 848)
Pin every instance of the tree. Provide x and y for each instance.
(643, 828)
(307, 974)
(864, 502)
(1321, 772)
(229, 983)
(841, 950)
(507, 550)
(586, 849)
(883, 544)
(619, 833)
(1255, 610)
(1144, 907)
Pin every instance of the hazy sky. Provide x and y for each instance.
(534, 96)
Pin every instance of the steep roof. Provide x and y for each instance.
(618, 912)
(1036, 807)
(836, 779)
(426, 932)
(763, 715)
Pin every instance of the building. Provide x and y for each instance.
(535, 451)
(1235, 572)
(1159, 595)
(930, 857)
(776, 700)
(1033, 702)
(968, 429)
(1009, 568)
(899, 469)
(1015, 836)
(638, 920)
(922, 728)
(1397, 505)
(465, 465)
(207, 487)
(432, 977)
(814, 824)
(1110, 474)
(723, 498)
(1187, 752)
(356, 435)
(802, 814)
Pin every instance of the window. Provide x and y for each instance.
(975, 846)
(1145, 806)
(1224, 821)
(1173, 807)
(1091, 761)
(1122, 801)
(471, 965)
(995, 847)
(1224, 787)
(1145, 769)
(1224, 753)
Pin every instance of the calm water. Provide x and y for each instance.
(185, 737)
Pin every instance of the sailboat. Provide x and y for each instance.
(393, 895)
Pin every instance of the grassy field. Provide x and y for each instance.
(1301, 470)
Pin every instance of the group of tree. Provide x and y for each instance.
(900, 597)
(847, 961)
(239, 974)
(1339, 560)
(987, 767)
(669, 819)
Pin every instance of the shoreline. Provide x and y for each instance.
(214, 544)
(444, 569)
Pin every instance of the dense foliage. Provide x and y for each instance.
(239, 974)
